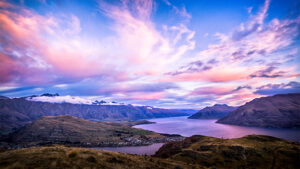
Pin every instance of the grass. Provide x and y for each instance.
(253, 151)
(67, 157)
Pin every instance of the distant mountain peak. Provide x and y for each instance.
(216, 111)
(50, 95)
(3, 97)
(225, 105)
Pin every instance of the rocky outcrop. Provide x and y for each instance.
(279, 111)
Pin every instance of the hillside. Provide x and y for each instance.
(60, 157)
(17, 112)
(279, 111)
(253, 151)
(216, 111)
(69, 130)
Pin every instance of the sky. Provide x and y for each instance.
(164, 53)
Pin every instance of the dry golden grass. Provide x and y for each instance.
(253, 151)
(67, 157)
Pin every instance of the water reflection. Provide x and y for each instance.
(188, 127)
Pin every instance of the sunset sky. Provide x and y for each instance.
(165, 53)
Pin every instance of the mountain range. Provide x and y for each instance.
(16, 112)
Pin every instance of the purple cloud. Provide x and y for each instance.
(271, 89)
(268, 73)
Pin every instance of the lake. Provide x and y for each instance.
(140, 150)
(188, 127)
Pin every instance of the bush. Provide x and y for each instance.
(73, 154)
(91, 159)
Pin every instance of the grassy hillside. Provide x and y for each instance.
(74, 131)
(253, 151)
(59, 157)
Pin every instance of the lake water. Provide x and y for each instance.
(140, 150)
(188, 127)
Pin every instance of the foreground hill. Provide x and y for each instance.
(194, 152)
(69, 130)
(253, 151)
(17, 112)
(216, 111)
(59, 157)
(279, 111)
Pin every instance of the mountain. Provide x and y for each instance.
(253, 151)
(69, 130)
(216, 111)
(17, 112)
(3, 97)
(50, 95)
(278, 111)
(201, 152)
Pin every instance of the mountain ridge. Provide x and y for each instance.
(216, 111)
(17, 112)
(278, 111)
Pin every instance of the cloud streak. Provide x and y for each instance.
(282, 88)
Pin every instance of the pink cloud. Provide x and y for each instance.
(239, 99)
(50, 44)
(132, 22)
(245, 53)
(53, 43)
(8, 68)
(212, 91)
(228, 94)
(145, 96)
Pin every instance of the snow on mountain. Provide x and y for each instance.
(70, 99)
(61, 99)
